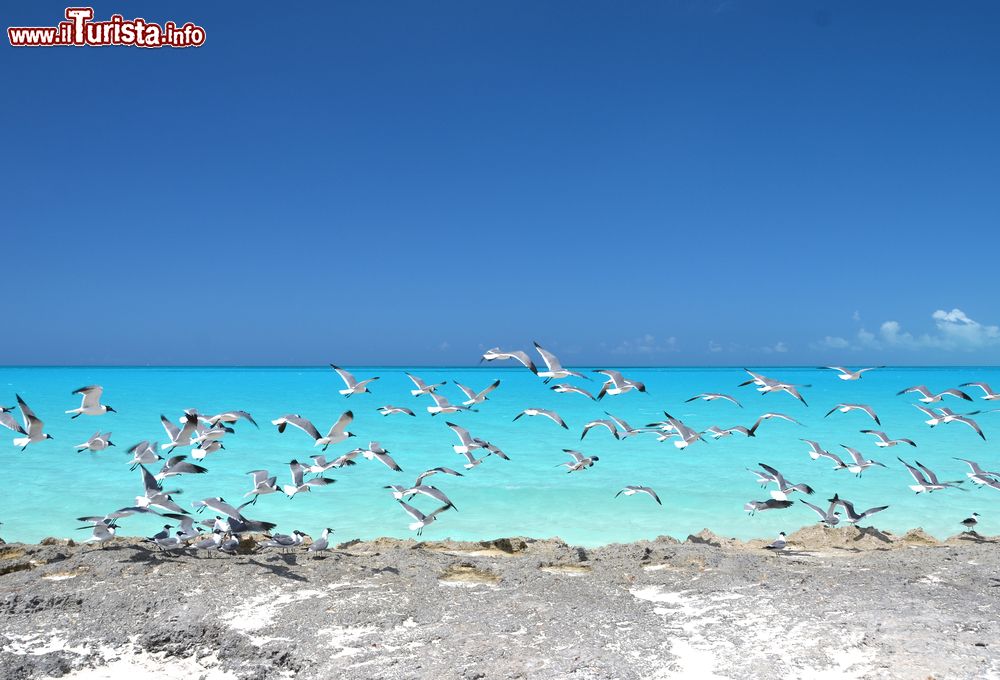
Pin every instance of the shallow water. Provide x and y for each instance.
(44, 488)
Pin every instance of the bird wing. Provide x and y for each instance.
(348, 379)
(550, 359)
(91, 395)
(412, 511)
(303, 424)
(340, 427)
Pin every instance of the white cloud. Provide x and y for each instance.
(444, 345)
(954, 331)
(713, 346)
(833, 342)
(646, 344)
(779, 347)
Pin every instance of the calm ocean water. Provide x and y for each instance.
(45, 488)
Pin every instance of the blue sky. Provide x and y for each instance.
(410, 183)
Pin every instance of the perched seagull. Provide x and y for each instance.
(466, 442)
(752, 432)
(926, 480)
(632, 490)
(979, 476)
(929, 397)
(263, 484)
(617, 384)
(97, 442)
(352, 385)
(298, 485)
(179, 436)
(213, 542)
(434, 471)
(422, 387)
(848, 374)
(970, 522)
(551, 415)
(91, 404)
(32, 427)
(778, 544)
(442, 405)
(829, 517)
(322, 543)
(766, 385)
(846, 408)
(338, 432)
(393, 410)
(473, 397)
(712, 396)
(580, 461)
(784, 486)
(566, 388)
(376, 452)
(988, 393)
(860, 463)
(517, 355)
(884, 441)
(555, 369)
(819, 452)
(144, 453)
(284, 541)
(753, 507)
(177, 466)
(422, 520)
(853, 517)
(601, 423)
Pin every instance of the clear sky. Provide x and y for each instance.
(410, 183)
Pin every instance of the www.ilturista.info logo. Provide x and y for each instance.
(80, 30)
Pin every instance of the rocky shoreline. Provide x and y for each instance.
(838, 603)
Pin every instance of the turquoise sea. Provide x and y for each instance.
(44, 489)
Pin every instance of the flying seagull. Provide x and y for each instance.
(929, 397)
(617, 384)
(32, 427)
(988, 393)
(926, 480)
(846, 408)
(712, 396)
(580, 461)
(601, 423)
(566, 388)
(422, 520)
(388, 410)
(754, 507)
(752, 432)
(853, 517)
(551, 415)
(517, 355)
(97, 442)
(422, 387)
(860, 463)
(263, 483)
(472, 397)
(848, 374)
(442, 405)
(784, 486)
(818, 451)
(885, 441)
(979, 476)
(766, 385)
(338, 432)
(352, 385)
(91, 404)
(555, 369)
(434, 471)
(632, 490)
(830, 516)
(179, 436)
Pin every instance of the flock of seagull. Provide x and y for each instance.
(203, 434)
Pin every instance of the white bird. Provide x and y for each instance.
(263, 483)
(352, 385)
(322, 543)
(830, 516)
(949, 416)
(853, 517)
(551, 415)
(848, 374)
(229, 417)
(926, 480)
(970, 522)
(988, 393)
(617, 384)
(517, 355)
(778, 544)
(403, 493)
(566, 388)
(768, 416)
(442, 405)
(376, 452)
(337, 433)
(784, 486)
(388, 410)
(466, 442)
(31, 429)
(205, 448)
(846, 408)
(298, 484)
(177, 465)
(580, 461)
(472, 461)
(434, 471)
(687, 436)
(179, 436)
(422, 520)
(860, 463)
(600, 423)
(284, 541)
(720, 432)
(754, 507)
(631, 490)
(91, 404)
(144, 453)
(473, 397)
(885, 441)
(103, 531)
(97, 442)
(218, 504)
(929, 397)
(712, 396)
(154, 494)
(555, 369)
(819, 452)
(766, 385)
(422, 387)
(979, 476)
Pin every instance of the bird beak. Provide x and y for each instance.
(112, 410)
